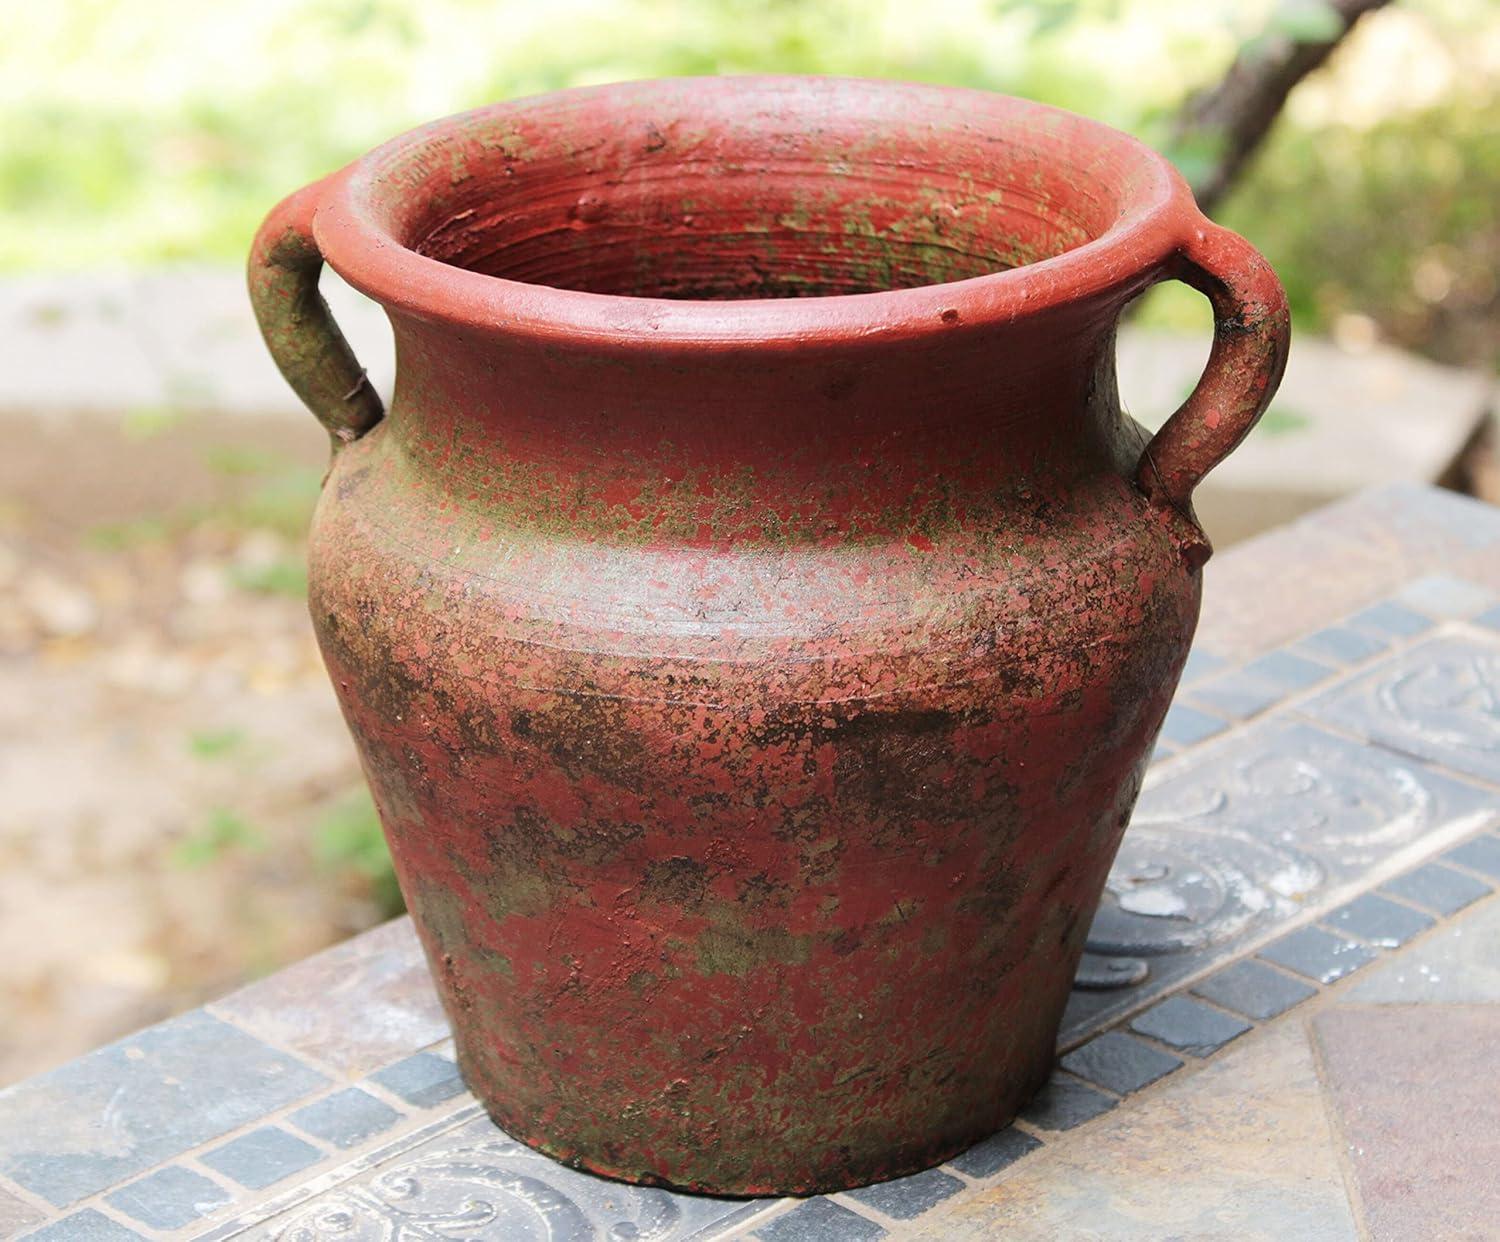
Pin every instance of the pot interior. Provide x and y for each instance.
(792, 189)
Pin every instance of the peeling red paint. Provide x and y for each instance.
(755, 688)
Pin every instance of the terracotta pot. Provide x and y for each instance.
(754, 611)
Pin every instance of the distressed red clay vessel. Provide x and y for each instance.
(754, 611)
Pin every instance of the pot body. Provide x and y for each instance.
(753, 720)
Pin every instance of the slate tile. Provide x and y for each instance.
(1121, 1064)
(127, 1107)
(306, 1007)
(1383, 923)
(1490, 619)
(1413, 1087)
(1430, 701)
(423, 1080)
(1254, 989)
(1482, 854)
(1344, 645)
(1202, 663)
(170, 1198)
(263, 1157)
(906, 1198)
(1442, 595)
(346, 1118)
(1186, 726)
(1318, 954)
(1064, 1103)
(85, 1226)
(1238, 695)
(820, 1220)
(1186, 1024)
(997, 1152)
(1392, 620)
(1438, 888)
(1457, 963)
(1288, 671)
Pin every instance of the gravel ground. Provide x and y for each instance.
(182, 806)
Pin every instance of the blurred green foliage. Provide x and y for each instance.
(164, 129)
(348, 838)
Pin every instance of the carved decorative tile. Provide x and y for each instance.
(1243, 837)
(1439, 700)
(475, 1182)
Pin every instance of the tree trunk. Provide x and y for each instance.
(1229, 121)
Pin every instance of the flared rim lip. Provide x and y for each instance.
(1152, 226)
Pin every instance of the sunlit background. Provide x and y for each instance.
(182, 809)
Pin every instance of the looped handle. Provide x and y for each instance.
(297, 326)
(1252, 329)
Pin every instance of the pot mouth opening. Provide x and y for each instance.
(744, 190)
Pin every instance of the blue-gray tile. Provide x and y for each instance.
(1387, 924)
(1392, 620)
(1490, 619)
(1290, 672)
(906, 1198)
(16, 1216)
(1430, 701)
(423, 1080)
(1482, 854)
(1186, 726)
(263, 1157)
(1344, 645)
(85, 1226)
(1254, 989)
(1438, 888)
(1318, 954)
(170, 1198)
(122, 1109)
(1447, 597)
(997, 1152)
(1116, 1061)
(1064, 1103)
(1201, 663)
(1186, 1024)
(346, 1118)
(1238, 695)
(820, 1220)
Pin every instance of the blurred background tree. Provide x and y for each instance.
(162, 129)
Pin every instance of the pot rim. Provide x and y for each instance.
(1157, 218)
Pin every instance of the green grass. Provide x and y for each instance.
(348, 837)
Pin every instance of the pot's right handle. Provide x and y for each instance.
(297, 326)
(1252, 329)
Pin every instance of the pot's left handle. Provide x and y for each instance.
(297, 326)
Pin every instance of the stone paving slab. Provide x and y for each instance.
(1418, 1101)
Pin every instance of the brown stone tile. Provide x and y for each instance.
(1415, 1091)
(352, 1008)
(1241, 1150)
(16, 1216)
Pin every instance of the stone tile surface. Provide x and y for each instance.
(1119, 1063)
(905, 1198)
(1318, 954)
(1438, 888)
(1241, 1151)
(1344, 645)
(85, 1226)
(1186, 726)
(1386, 924)
(1482, 854)
(1442, 595)
(997, 1152)
(820, 1220)
(1238, 695)
(120, 1110)
(1251, 831)
(346, 1118)
(262, 1157)
(1458, 963)
(382, 975)
(1431, 700)
(513, 1191)
(15, 1215)
(424, 1080)
(169, 1198)
(1390, 620)
(1064, 1103)
(1289, 672)
(1254, 989)
(1415, 1094)
(1189, 1025)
